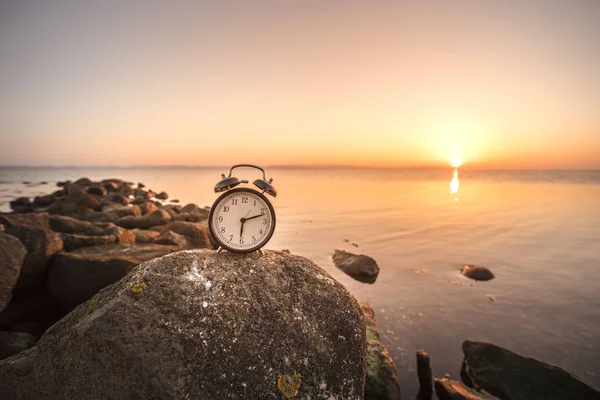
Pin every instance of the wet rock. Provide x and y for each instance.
(76, 276)
(360, 267)
(116, 198)
(147, 207)
(162, 196)
(64, 224)
(140, 185)
(13, 255)
(510, 376)
(381, 378)
(12, 343)
(174, 201)
(83, 182)
(41, 220)
(97, 190)
(122, 235)
(73, 241)
(43, 201)
(193, 328)
(158, 217)
(141, 194)
(447, 389)
(425, 376)
(190, 208)
(144, 236)
(21, 205)
(111, 186)
(41, 244)
(477, 273)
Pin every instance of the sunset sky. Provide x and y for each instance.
(507, 84)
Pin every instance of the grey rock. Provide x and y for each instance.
(510, 376)
(72, 241)
(78, 275)
(201, 325)
(41, 244)
(13, 255)
(12, 343)
(477, 273)
(158, 217)
(381, 378)
(447, 389)
(360, 267)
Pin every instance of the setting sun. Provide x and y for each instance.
(456, 162)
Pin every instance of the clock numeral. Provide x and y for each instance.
(241, 241)
(262, 210)
(264, 221)
(230, 238)
(220, 218)
(234, 202)
(260, 232)
(226, 209)
(254, 202)
(253, 239)
(244, 199)
(223, 229)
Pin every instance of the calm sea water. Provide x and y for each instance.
(539, 232)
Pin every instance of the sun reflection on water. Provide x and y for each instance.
(454, 184)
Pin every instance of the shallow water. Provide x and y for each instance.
(537, 231)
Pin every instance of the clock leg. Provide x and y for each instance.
(220, 249)
(261, 251)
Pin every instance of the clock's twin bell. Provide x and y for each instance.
(242, 220)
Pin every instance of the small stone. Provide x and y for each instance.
(477, 273)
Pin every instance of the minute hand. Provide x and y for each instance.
(255, 216)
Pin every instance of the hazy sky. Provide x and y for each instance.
(396, 83)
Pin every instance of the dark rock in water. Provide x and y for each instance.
(286, 251)
(141, 194)
(12, 343)
(144, 236)
(73, 241)
(121, 235)
(174, 201)
(97, 190)
(360, 267)
(61, 183)
(21, 205)
(147, 207)
(162, 196)
(381, 379)
(13, 255)
(41, 220)
(425, 376)
(64, 224)
(510, 376)
(41, 244)
(43, 201)
(140, 185)
(83, 182)
(76, 276)
(447, 389)
(201, 325)
(158, 217)
(111, 186)
(477, 273)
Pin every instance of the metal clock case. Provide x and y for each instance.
(242, 220)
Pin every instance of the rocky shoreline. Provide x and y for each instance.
(83, 260)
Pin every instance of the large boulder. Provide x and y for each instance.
(78, 275)
(158, 217)
(360, 267)
(12, 343)
(41, 244)
(381, 378)
(202, 325)
(447, 389)
(13, 255)
(510, 376)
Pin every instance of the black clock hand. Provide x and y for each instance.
(255, 216)
(242, 228)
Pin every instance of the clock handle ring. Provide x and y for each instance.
(249, 166)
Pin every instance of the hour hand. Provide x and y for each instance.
(255, 216)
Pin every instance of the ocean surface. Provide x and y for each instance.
(538, 231)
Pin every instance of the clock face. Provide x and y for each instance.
(242, 220)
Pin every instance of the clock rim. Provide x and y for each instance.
(251, 249)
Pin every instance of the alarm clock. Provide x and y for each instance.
(242, 220)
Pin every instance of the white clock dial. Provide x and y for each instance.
(242, 220)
